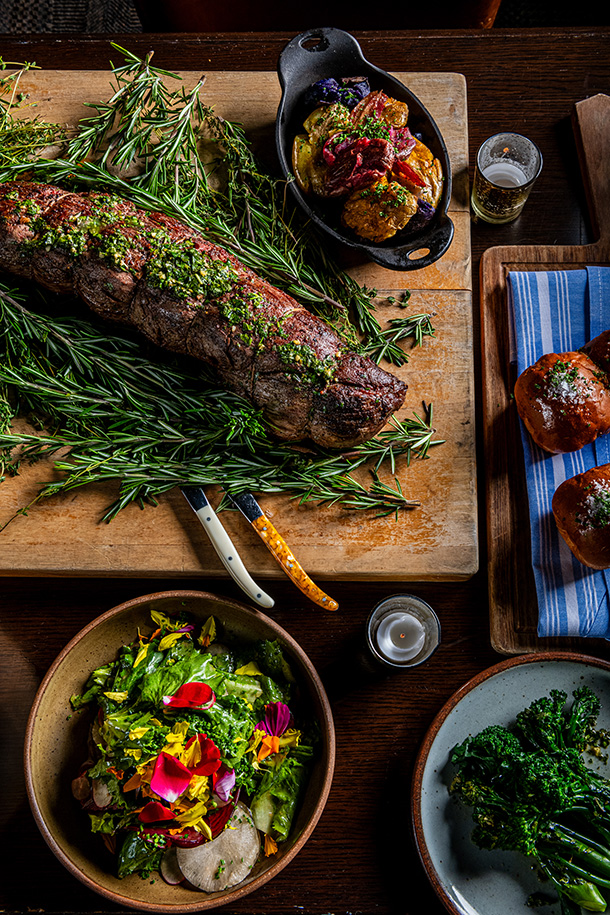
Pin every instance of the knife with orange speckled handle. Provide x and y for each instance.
(276, 544)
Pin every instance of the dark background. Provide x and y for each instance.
(99, 16)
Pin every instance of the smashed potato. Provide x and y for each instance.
(379, 211)
(430, 172)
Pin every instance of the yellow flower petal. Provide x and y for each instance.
(251, 669)
(193, 816)
(256, 739)
(141, 655)
(204, 828)
(135, 752)
(138, 733)
(198, 788)
(191, 756)
(160, 619)
(208, 632)
(117, 697)
(168, 640)
(290, 738)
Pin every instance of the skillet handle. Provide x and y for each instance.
(325, 43)
(434, 245)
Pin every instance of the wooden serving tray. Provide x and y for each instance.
(438, 541)
(512, 594)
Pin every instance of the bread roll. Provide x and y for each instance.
(598, 351)
(581, 506)
(564, 401)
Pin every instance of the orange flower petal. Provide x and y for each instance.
(269, 745)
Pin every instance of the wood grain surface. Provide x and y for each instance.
(435, 541)
(512, 594)
(519, 79)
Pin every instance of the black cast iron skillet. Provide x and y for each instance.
(322, 53)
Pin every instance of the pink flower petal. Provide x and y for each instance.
(191, 695)
(276, 720)
(154, 812)
(170, 777)
(223, 781)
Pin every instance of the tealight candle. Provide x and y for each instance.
(400, 636)
(402, 631)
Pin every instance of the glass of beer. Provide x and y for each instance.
(506, 168)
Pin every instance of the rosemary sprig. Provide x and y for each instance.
(385, 345)
(112, 414)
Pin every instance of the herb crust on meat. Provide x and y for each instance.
(190, 296)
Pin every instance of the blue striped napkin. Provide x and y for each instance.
(558, 312)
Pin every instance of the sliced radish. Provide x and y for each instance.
(169, 868)
(226, 860)
(101, 795)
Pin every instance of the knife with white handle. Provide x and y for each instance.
(222, 543)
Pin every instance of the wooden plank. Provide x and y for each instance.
(437, 541)
(512, 594)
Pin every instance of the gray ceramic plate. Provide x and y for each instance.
(471, 881)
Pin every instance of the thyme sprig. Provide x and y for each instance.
(21, 138)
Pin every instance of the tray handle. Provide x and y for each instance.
(324, 43)
(591, 122)
(433, 246)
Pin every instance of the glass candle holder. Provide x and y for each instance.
(506, 169)
(402, 631)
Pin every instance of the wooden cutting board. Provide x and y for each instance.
(438, 541)
(512, 594)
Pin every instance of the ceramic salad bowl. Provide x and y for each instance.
(56, 745)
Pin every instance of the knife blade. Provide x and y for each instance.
(280, 550)
(222, 543)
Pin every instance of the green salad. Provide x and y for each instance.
(193, 737)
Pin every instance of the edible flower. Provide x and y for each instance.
(170, 777)
(141, 654)
(251, 669)
(192, 816)
(191, 695)
(270, 845)
(201, 755)
(154, 812)
(276, 721)
(208, 632)
(223, 782)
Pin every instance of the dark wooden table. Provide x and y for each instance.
(361, 857)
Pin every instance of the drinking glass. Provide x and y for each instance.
(507, 166)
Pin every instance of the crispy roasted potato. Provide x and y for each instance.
(310, 172)
(379, 211)
(429, 169)
(308, 166)
(395, 113)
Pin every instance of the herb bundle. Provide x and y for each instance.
(113, 414)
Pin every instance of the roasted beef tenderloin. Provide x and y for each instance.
(190, 296)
